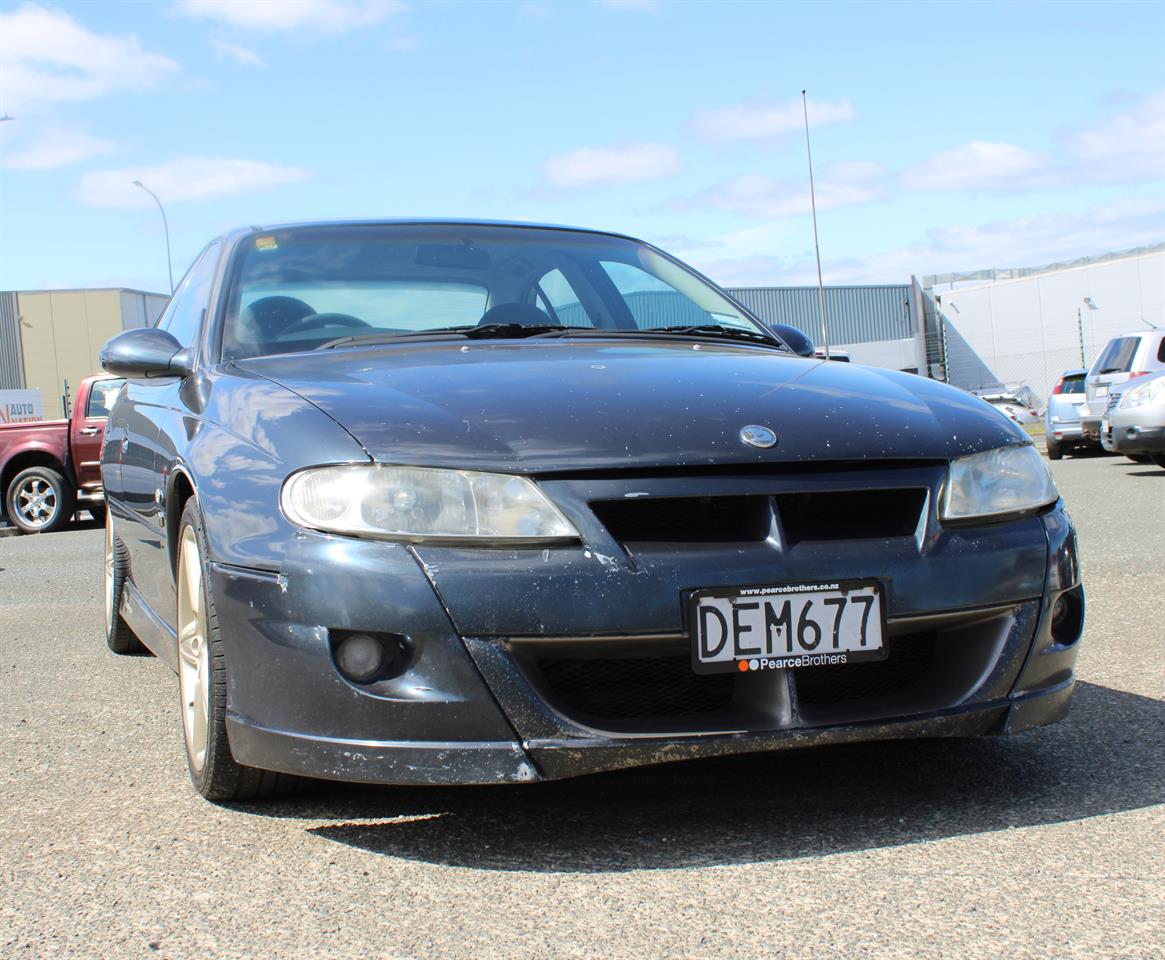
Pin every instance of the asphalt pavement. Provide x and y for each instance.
(1051, 844)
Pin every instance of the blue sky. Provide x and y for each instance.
(946, 136)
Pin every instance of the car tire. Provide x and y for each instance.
(39, 500)
(97, 511)
(1159, 459)
(118, 636)
(202, 680)
(1055, 450)
(1139, 457)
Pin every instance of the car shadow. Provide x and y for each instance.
(1103, 759)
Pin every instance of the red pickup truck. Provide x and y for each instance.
(49, 470)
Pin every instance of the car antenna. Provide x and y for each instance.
(816, 245)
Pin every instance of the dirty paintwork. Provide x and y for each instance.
(643, 421)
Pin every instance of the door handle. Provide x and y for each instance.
(90, 431)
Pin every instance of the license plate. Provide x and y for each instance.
(1102, 389)
(739, 629)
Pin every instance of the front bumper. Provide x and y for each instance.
(484, 700)
(1118, 435)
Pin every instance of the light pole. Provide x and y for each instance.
(165, 227)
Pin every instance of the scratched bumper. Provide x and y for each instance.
(476, 705)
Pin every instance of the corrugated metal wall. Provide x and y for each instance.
(854, 314)
(11, 353)
(141, 309)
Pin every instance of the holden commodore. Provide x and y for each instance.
(446, 502)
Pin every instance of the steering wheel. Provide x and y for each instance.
(313, 320)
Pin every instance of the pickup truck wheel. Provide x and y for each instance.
(97, 511)
(202, 681)
(118, 635)
(40, 500)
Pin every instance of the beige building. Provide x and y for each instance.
(50, 339)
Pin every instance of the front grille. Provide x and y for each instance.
(849, 514)
(686, 519)
(908, 661)
(1113, 400)
(644, 688)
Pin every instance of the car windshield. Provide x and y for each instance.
(301, 288)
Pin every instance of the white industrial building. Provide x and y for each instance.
(1023, 328)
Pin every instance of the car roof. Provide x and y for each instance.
(1075, 372)
(425, 222)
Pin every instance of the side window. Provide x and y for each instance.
(554, 294)
(650, 301)
(1161, 350)
(183, 314)
(101, 397)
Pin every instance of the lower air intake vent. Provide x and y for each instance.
(907, 664)
(634, 689)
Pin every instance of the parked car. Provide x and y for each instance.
(1062, 432)
(50, 469)
(1011, 406)
(1134, 423)
(1123, 358)
(456, 503)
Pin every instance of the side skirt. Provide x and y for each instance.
(148, 627)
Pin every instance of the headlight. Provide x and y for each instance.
(422, 504)
(997, 482)
(1150, 392)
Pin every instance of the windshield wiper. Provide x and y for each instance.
(700, 330)
(473, 331)
(716, 330)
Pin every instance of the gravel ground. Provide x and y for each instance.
(1051, 844)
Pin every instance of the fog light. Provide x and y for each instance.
(360, 657)
(1068, 616)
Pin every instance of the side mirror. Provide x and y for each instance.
(145, 352)
(800, 344)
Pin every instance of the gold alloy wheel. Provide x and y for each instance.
(193, 650)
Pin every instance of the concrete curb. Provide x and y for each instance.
(9, 532)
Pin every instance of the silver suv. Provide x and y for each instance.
(1124, 357)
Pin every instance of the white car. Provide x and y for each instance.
(1123, 358)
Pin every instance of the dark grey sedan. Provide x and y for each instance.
(417, 502)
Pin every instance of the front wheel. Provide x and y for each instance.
(39, 500)
(202, 681)
(1159, 459)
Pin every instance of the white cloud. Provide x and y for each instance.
(745, 258)
(54, 149)
(48, 56)
(184, 179)
(329, 16)
(599, 166)
(1125, 146)
(761, 196)
(978, 165)
(238, 53)
(765, 121)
